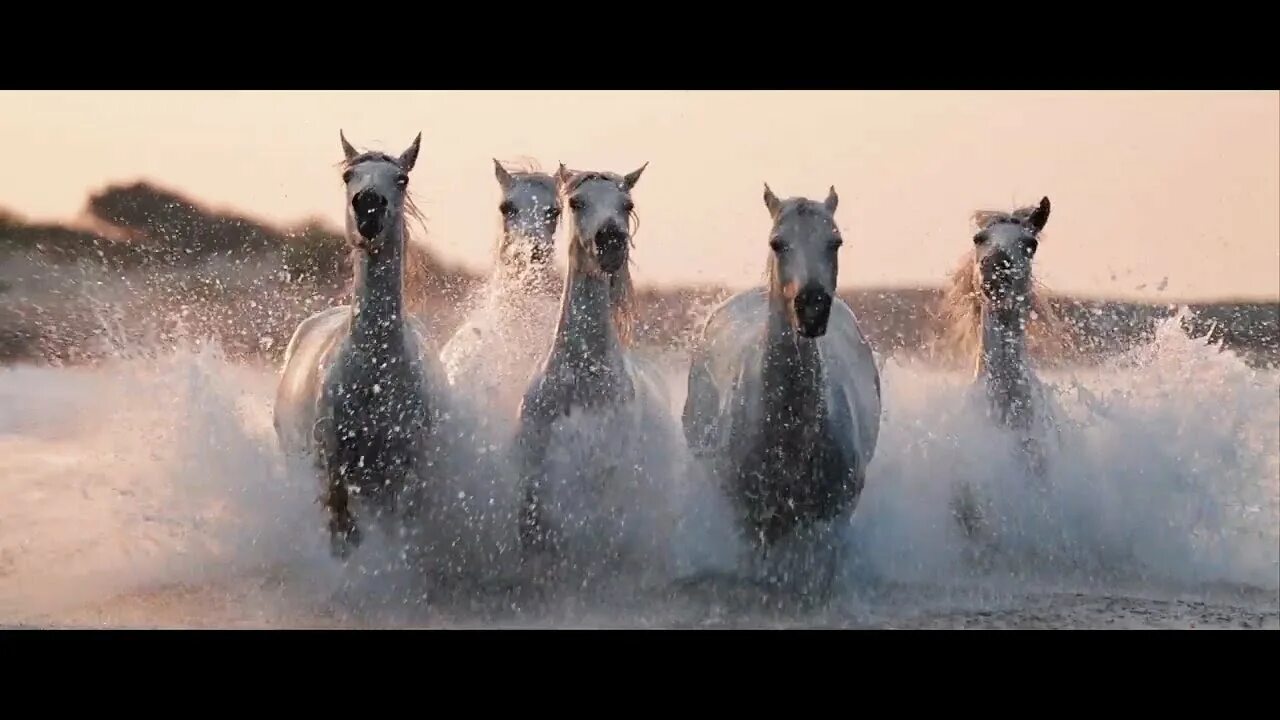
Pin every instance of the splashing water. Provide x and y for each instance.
(505, 337)
(1166, 471)
(148, 490)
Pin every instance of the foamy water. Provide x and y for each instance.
(149, 490)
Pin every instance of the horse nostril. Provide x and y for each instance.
(812, 307)
(611, 237)
(813, 298)
(367, 201)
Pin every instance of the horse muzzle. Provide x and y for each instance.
(1001, 277)
(370, 210)
(812, 307)
(611, 248)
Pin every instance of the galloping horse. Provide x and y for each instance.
(784, 393)
(991, 303)
(594, 418)
(360, 392)
(496, 350)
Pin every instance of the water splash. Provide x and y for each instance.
(1166, 471)
(159, 469)
(504, 338)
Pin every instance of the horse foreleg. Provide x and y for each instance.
(832, 556)
(344, 535)
(535, 537)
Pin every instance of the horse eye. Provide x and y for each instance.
(575, 203)
(777, 244)
(1032, 244)
(346, 176)
(553, 212)
(628, 206)
(402, 180)
(507, 208)
(979, 239)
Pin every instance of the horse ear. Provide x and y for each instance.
(771, 201)
(347, 150)
(504, 177)
(629, 181)
(1040, 216)
(410, 157)
(563, 176)
(832, 200)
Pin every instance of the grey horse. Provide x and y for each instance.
(991, 304)
(783, 399)
(360, 392)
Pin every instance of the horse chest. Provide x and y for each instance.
(378, 411)
(793, 468)
(587, 385)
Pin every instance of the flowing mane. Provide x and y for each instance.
(960, 309)
(523, 166)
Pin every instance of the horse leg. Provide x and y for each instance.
(537, 541)
(344, 536)
(537, 412)
(832, 555)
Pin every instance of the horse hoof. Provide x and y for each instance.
(344, 542)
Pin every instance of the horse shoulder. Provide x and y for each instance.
(311, 333)
(435, 386)
(701, 404)
(537, 404)
(853, 379)
(306, 358)
(731, 335)
(720, 355)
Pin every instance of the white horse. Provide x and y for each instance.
(497, 349)
(596, 440)
(784, 394)
(361, 393)
(990, 305)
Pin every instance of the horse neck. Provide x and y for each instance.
(378, 293)
(1002, 359)
(792, 371)
(585, 333)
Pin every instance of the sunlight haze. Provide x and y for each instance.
(1146, 187)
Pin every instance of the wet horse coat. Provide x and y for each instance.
(783, 390)
(595, 418)
(991, 304)
(360, 392)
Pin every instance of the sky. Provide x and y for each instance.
(1154, 194)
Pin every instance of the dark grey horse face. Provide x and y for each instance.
(805, 243)
(377, 186)
(530, 210)
(601, 207)
(1004, 252)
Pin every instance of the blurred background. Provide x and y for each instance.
(128, 215)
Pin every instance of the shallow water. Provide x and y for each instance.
(148, 491)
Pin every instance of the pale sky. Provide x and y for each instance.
(1144, 185)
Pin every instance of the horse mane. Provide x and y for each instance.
(524, 166)
(622, 293)
(960, 308)
(416, 259)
